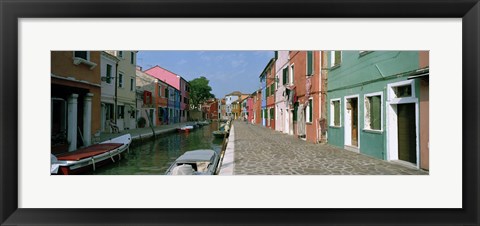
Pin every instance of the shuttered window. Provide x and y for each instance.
(337, 57)
(285, 76)
(272, 89)
(373, 112)
(336, 113)
(267, 93)
(272, 113)
(109, 73)
(310, 111)
(309, 63)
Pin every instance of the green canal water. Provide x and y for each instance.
(153, 157)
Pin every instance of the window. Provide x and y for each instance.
(292, 77)
(82, 54)
(285, 76)
(132, 57)
(121, 112)
(268, 91)
(132, 84)
(166, 92)
(160, 113)
(185, 100)
(373, 112)
(335, 58)
(120, 80)
(272, 113)
(159, 91)
(272, 89)
(309, 111)
(310, 63)
(403, 91)
(120, 54)
(109, 74)
(335, 112)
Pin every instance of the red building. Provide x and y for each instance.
(210, 109)
(310, 101)
(270, 89)
(257, 107)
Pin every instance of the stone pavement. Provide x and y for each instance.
(262, 151)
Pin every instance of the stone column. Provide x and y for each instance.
(72, 122)
(87, 119)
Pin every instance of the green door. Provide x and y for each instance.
(406, 133)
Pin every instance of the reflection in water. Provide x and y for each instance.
(155, 156)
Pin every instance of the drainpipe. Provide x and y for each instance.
(115, 97)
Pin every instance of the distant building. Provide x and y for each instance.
(184, 99)
(257, 107)
(75, 99)
(271, 84)
(266, 91)
(147, 98)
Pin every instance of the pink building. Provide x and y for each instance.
(250, 108)
(165, 76)
(182, 106)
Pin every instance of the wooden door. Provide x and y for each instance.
(354, 120)
(406, 133)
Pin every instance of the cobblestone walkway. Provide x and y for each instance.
(261, 151)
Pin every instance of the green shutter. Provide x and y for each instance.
(285, 75)
(338, 57)
(309, 62)
(109, 73)
(375, 113)
(293, 75)
(310, 110)
(267, 92)
(336, 110)
(272, 89)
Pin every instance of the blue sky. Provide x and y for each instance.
(227, 70)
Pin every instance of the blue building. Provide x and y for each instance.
(263, 85)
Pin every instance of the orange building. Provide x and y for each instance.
(75, 99)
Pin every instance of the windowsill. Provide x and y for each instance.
(335, 127)
(334, 67)
(78, 60)
(373, 131)
(309, 123)
(364, 53)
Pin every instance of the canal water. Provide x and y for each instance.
(153, 157)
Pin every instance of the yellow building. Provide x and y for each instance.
(125, 89)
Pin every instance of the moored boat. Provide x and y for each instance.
(91, 157)
(219, 133)
(197, 162)
(185, 128)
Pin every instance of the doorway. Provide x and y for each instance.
(406, 133)
(351, 122)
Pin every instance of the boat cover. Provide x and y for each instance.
(88, 152)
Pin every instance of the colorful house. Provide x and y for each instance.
(265, 90)
(271, 87)
(306, 96)
(229, 99)
(250, 114)
(184, 99)
(147, 98)
(125, 89)
(378, 104)
(283, 114)
(75, 99)
(173, 80)
(257, 107)
(108, 71)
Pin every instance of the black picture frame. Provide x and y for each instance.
(12, 10)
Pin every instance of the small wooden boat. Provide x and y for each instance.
(91, 157)
(219, 133)
(204, 123)
(198, 162)
(185, 129)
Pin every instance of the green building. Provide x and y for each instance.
(378, 104)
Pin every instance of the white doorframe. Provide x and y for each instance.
(348, 123)
(392, 120)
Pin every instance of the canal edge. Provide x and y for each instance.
(228, 163)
